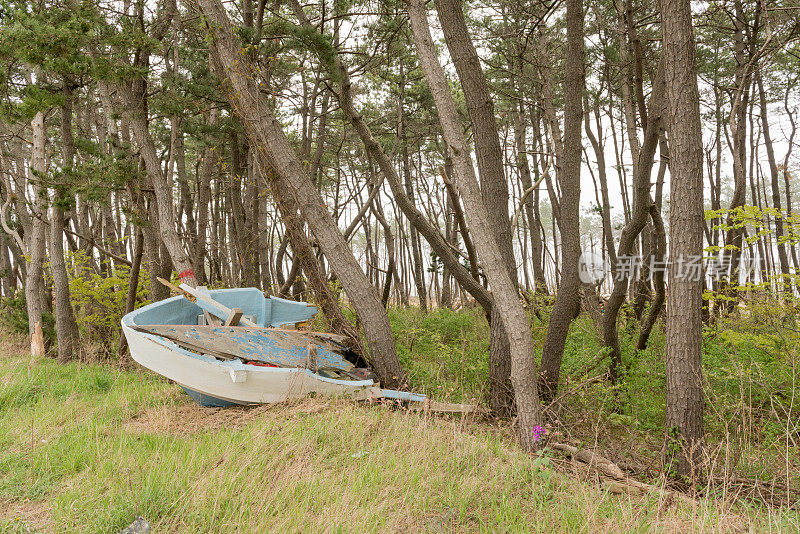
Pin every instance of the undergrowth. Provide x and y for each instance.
(752, 385)
(87, 448)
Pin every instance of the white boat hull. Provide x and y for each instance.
(232, 381)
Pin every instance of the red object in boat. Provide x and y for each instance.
(261, 364)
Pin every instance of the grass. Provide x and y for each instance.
(751, 368)
(87, 448)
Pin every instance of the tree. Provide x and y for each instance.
(493, 183)
(69, 343)
(567, 304)
(504, 289)
(34, 282)
(684, 300)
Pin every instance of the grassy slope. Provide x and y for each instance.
(87, 448)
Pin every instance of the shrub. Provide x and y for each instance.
(14, 317)
(99, 299)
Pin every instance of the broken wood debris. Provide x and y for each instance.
(620, 483)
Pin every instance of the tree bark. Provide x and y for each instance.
(659, 253)
(567, 304)
(34, 281)
(6, 273)
(684, 301)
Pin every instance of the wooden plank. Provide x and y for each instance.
(206, 302)
(202, 350)
(334, 338)
(175, 289)
(311, 358)
(211, 320)
(284, 348)
(234, 317)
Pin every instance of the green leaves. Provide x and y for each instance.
(53, 39)
(320, 44)
(757, 220)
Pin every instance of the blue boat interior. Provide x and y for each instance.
(268, 311)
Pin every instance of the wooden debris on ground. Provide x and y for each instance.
(620, 483)
(431, 405)
(375, 393)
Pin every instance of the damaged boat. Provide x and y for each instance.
(229, 347)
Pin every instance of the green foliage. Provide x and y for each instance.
(758, 222)
(444, 351)
(99, 299)
(15, 313)
(14, 317)
(53, 40)
(320, 44)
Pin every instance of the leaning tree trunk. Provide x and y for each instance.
(165, 207)
(304, 257)
(684, 300)
(494, 187)
(506, 296)
(567, 304)
(267, 137)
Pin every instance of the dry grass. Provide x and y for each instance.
(87, 448)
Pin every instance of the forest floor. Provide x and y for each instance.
(88, 447)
